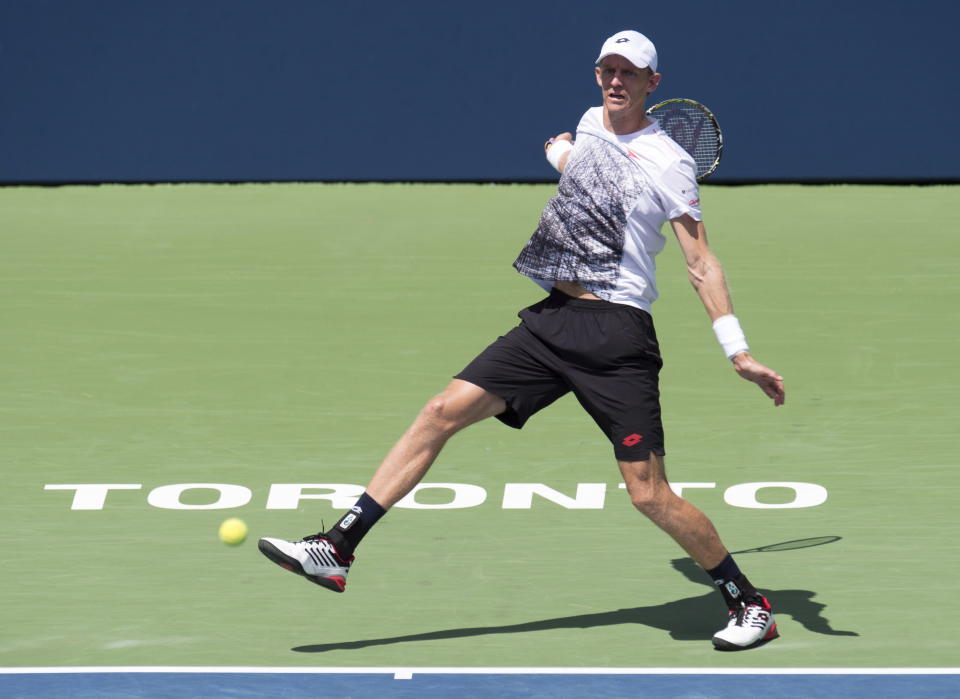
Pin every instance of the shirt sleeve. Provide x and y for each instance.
(679, 191)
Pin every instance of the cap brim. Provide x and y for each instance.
(615, 53)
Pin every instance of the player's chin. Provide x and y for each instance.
(618, 106)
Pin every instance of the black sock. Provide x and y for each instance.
(733, 584)
(353, 526)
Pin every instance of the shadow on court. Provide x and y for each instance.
(689, 619)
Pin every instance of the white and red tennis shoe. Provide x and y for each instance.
(748, 626)
(314, 557)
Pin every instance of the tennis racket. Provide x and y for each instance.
(694, 128)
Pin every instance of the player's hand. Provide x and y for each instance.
(769, 381)
(565, 136)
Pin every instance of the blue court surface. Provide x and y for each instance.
(478, 682)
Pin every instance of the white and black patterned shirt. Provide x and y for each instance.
(602, 229)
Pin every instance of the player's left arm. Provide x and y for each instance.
(708, 279)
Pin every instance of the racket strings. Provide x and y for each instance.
(694, 130)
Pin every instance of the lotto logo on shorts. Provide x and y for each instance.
(632, 440)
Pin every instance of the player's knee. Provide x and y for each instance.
(440, 416)
(651, 498)
(644, 501)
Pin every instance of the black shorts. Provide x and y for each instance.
(606, 353)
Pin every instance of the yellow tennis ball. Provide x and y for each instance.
(233, 531)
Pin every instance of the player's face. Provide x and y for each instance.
(624, 86)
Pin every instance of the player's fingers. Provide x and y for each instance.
(775, 391)
(772, 388)
(565, 136)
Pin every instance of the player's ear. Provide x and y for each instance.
(654, 82)
(596, 72)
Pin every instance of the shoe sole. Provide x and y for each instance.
(335, 583)
(721, 644)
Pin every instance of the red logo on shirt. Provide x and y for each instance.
(694, 202)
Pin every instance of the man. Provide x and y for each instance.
(593, 335)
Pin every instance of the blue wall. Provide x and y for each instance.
(227, 90)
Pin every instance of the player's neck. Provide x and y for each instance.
(625, 122)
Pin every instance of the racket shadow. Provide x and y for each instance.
(694, 618)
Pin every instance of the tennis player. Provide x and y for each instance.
(593, 253)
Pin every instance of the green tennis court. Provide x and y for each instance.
(209, 345)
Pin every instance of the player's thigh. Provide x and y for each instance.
(518, 369)
(649, 472)
(625, 404)
(463, 403)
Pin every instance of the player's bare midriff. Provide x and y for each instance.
(575, 290)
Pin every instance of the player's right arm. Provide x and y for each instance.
(560, 156)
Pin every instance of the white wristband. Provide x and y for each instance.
(730, 335)
(556, 150)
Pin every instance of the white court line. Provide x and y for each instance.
(409, 672)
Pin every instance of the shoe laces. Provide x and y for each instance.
(751, 614)
(322, 541)
(314, 539)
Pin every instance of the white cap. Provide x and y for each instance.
(633, 46)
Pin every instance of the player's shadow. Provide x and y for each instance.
(689, 619)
